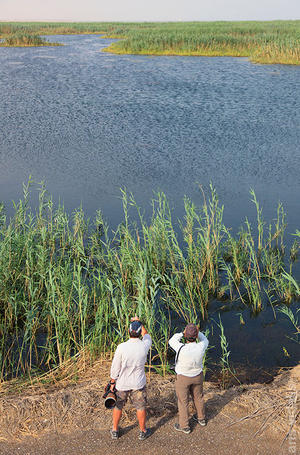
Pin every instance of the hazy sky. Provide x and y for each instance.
(151, 10)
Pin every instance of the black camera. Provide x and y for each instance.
(110, 397)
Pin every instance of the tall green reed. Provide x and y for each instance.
(70, 286)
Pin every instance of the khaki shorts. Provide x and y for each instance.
(138, 398)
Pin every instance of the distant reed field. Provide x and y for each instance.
(263, 42)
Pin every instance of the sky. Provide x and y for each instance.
(147, 10)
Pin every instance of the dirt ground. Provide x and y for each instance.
(70, 419)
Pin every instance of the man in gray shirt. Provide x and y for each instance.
(189, 380)
(128, 376)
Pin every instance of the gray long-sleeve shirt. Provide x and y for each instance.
(190, 359)
(128, 365)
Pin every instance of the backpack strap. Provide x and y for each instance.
(177, 355)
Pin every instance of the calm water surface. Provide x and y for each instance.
(89, 122)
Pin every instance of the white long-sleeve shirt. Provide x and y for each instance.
(128, 365)
(190, 358)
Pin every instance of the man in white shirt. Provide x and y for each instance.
(189, 370)
(128, 376)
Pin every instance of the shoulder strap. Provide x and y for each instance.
(177, 355)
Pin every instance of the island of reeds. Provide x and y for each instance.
(263, 42)
(22, 39)
(69, 285)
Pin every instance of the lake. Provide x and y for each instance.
(89, 122)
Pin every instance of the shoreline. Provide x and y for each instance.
(32, 45)
(114, 48)
(170, 53)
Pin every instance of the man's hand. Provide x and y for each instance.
(112, 385)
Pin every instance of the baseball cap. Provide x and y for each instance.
(135, 327)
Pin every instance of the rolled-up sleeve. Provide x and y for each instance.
(203, 340)
(116, 364)
(147, 341)
(174, 342)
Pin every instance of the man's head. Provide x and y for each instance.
(191, 332)
(135, 329)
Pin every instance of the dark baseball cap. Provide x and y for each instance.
(135, 327)
(191, 331)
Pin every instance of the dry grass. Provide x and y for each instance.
(70, 404)
(66, 403)
(276, 404)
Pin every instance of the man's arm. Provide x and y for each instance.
(203, 340)
(116, 365)
(174, 342)
(145, 335)
(146, 338)
(144, 331)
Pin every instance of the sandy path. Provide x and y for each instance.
(216, 438)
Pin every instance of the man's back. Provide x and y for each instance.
(129, 363)
(190, 358)
(189, 379)
(128, 377)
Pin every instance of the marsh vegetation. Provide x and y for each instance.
(23, 39)
(262, 42)
(69, 285)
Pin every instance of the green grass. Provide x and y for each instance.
(68, 287)
(23, 39)
(263, 42)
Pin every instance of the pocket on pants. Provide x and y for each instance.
(139, 398)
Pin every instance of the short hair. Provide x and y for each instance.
(134, 334)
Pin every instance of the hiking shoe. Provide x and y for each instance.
(201, 422)
(114, 434)
(186, 430)
(144, 434)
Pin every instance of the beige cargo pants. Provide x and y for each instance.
(186, 386)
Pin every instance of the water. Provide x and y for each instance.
(89, 122)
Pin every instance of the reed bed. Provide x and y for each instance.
(55, 28)
(268, 42)
(22, 39)
(68, 285)
(263, 42)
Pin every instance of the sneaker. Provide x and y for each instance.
(144, 434)
(201, 422)
(186, 430)
(114, 434)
